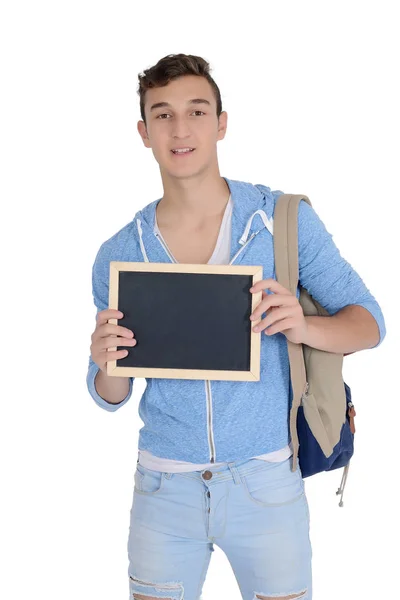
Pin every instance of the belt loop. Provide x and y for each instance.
(235, 473)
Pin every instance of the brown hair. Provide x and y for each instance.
(172, 67)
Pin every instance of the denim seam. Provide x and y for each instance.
(226, 504)
(204, 511)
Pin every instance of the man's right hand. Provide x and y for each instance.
(107, 335)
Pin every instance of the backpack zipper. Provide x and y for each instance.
(352, 413)
(305, 393)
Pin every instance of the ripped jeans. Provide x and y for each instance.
(255, 511)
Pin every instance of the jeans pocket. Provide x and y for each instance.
(148, 481)
(274, 484)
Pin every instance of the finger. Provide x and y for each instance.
(107, 356)
(271, 302)
(110, 329)
(277, 315)
(269, 284)
(280, 327)
(109, 313)
(110, 342)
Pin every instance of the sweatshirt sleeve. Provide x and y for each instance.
(327, 276)
(100, 284)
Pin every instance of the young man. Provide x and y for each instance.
(214, 457)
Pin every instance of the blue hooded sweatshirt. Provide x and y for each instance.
(217, 421)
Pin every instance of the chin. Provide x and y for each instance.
(184, 172)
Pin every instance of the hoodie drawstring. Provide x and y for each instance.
(143, 249)
(267, 222)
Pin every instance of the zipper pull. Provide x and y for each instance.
(352, 413)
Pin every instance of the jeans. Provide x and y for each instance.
(254, 511)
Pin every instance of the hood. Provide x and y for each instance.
(253, 208)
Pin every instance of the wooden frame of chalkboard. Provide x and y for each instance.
(215, 342)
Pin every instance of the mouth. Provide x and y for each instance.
(183, 151)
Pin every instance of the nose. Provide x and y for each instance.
(180, 128)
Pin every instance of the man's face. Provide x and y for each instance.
(183, 123)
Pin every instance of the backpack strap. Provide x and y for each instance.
(287, 274)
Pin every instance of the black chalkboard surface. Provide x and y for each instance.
(190, 321)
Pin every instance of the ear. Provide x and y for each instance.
(141, 127)
(222, 125)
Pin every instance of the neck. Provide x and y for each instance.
(192, 201)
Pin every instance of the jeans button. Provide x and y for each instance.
(207, 475)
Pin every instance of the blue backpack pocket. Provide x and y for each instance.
(312, 460)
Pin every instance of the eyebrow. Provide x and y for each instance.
(193, 101)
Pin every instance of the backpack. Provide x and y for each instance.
(322, 414)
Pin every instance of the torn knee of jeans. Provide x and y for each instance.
(302, 595)
(147, 590)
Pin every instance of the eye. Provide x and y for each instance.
(168, 115)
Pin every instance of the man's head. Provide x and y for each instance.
(181, 107)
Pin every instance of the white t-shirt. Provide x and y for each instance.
(220, 256)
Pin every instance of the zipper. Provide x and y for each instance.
(210, 432)
(165, 247)
(244, 245)
(211, 443)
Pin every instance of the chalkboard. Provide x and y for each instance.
(191, 321)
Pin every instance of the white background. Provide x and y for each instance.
(312, 99)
